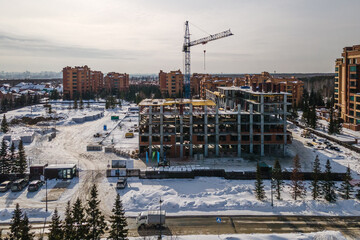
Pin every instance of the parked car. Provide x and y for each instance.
(4, 186)
(337, 149)
(121, 183)
(35, 185)
(19, 185)
(309, 144)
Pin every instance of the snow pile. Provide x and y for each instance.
(34, 214)
(214, 196)
(325, 235)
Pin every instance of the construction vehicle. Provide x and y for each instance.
(129, 135)
(186, 50)
(151, 219)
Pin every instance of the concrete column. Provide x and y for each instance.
(251, 123)
(285, 122)
(217, 131)
(150, 131)
(162, 131)
(205, 132)
(181, 136)
(239, 130)
(191, 131)
(262, 125)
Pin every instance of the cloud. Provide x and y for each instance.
(40, 47)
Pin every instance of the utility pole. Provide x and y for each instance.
(46, 197)
(160, 234)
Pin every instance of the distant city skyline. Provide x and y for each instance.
(143, 37)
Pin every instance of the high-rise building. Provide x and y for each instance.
(211, 83)
(171, 84)
(76, 81)
(116, 81)
(97, 81)
(195, 83)
(347, 87)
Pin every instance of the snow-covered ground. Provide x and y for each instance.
(181, 196)
(325, 235)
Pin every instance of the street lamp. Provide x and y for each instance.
(160, 236)
(46, 197)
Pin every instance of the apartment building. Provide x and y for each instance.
(76, 81)
(116, 82)
(212, 83)
(171, 84)
(97, 81)
(292, 85)
(195, 83)
(347, 87)
(185, 128)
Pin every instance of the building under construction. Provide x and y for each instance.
(232, 122)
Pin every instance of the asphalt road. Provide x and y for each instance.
(193, 225)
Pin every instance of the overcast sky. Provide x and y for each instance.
(144, 36)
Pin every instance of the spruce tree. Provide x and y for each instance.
(347, 190)
(81, 104)
(331, 126)
(297, 184)
(75, 104)
(118, 229)
(95, 219)
(50, 111)
(315, 183)
(3, 158)
(259, 186)
(12, 159)
(21, 163)
(277, 179)
(25, 229)
(4, 125)
(328, 184)
(68, 227)
(15, 225)
(55, 228)
(80, 225)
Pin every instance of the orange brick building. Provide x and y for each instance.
(212, 83)
(97, 81)
(76, 81)
(116, 81)
(290, 85)
(347, 87)
(195, 83)
(171, 84)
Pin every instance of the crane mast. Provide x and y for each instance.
(186, 50)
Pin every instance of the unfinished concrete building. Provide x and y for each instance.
(184, 128)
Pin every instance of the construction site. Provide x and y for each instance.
(232, 122)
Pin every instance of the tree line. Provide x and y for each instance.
(80, 222)
(22, 101)
(324, 188)
(11, 161)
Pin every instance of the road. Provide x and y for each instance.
(195, 225)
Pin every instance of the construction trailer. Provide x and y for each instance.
(37, 170)
(60, 171)
(251, 123)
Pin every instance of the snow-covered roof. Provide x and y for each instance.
(60, 166)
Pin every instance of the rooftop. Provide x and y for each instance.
(249, 90)
(61, 166)
(178, 101)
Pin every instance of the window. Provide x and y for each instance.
(358, 99)
(351, 98)
(352, 68)
(336, 85)
(336, 96)
(352, 84)
(336, 90)
(336, 74)
(353, 76)
(336, 69)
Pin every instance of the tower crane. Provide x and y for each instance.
(186, 50)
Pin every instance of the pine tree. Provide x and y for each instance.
(347, 190)
(315, 183)
(4, 125)
(338, 124)
(297, 184)
(118, 229)
(328, 184)
(81, 104)
(331, 126)
(16, 222)
(75, 104)
(21, 163)
(80, 226)
(277, 179)
(50, 111)
(25, 229)
(95, 219)
(12, 160)
(55, 228)
(3, 158)
(68, 227)
(259, 186)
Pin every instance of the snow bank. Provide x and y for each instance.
(325, 235)
(34, 214)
